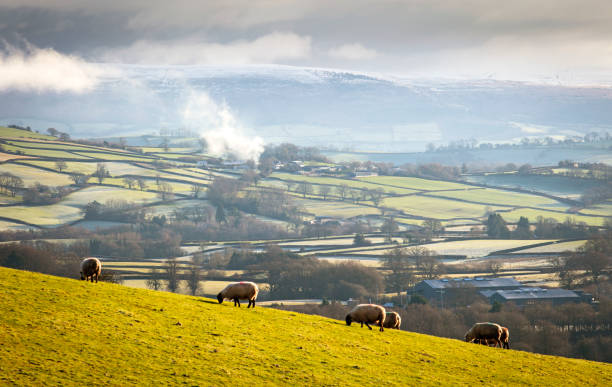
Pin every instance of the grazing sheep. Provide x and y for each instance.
(505, 339)
(366, 314)
(485, 332)
(239, 290)
(393, 320)
(90, 268)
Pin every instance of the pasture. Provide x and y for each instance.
(431, 207)
(414, 183)
(31, 175)
(160, 338)
(19, 133)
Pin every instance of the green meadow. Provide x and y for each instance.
(67, 332)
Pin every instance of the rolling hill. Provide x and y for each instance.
(61, 331)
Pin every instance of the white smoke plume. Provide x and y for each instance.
(223, 133)
(41, 70)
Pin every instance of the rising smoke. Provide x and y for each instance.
(218, 126)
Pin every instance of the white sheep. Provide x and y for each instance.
(239, 291)
(366, 314)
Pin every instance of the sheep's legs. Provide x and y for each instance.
(362, 325)
(251, 302)
(368, 325)
(236, 301)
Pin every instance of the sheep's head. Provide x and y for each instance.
(82, 276)
(469, 338)
(349, 319)
(219, 298)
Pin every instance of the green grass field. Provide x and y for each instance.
(414, 183)
(338, 182)
(532, 214)
(501, 197)
(47, 216)
(57, 154)
(31, 175)
(430, 207)
(67, 332)
(18, 133)
(50, 145)
(554, 248)
(334, 208)
(115, 156)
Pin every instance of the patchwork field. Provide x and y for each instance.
(430, 207)
(18, 133)
(553, 248)
(532, 214)
(31, 175)
(335, 209)
(504, 198)
(414, 183)
(338, 182)
(50, 337)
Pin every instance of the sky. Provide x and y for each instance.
(105, 67)
(562, 41)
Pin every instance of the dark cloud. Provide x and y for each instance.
(518, 39)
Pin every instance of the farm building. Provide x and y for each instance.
(533, 295)
(435, 289)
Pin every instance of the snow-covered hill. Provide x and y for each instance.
(316, 107)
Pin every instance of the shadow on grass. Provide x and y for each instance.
(207, 301)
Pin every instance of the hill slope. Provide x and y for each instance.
(55, 330)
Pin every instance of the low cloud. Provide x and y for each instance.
(271, 48)
(221, 130)
(42, 70)
(354, 51)
(531, 128)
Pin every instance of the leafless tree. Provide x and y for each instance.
(154, 282)
(60, 165)
(194, 275)
(171, 274)
(129, 181)
(142, 184)
(324, 190)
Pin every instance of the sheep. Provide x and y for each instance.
(392, 320)
(485, 331)
(366, 314)
(505, 339)
(90, 268)
(239, 290)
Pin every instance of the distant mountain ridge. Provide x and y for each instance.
(319, 107)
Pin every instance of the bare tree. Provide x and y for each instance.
(101, 172)
(142, 184)
(154, 282)
(494, 266)
(194, 275)
(305, 188)
(171, 274)
(342, 190)
(166, 191)
(129, 181)
(79, 178)
(195, 190)
(324, 190)
(376, 196)
(60, 165)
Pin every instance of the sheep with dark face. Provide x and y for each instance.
(393, 320)
(485, 332)
(367, 314)
(91, 268)
(237, 291)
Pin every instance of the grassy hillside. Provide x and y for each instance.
(61, 331)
